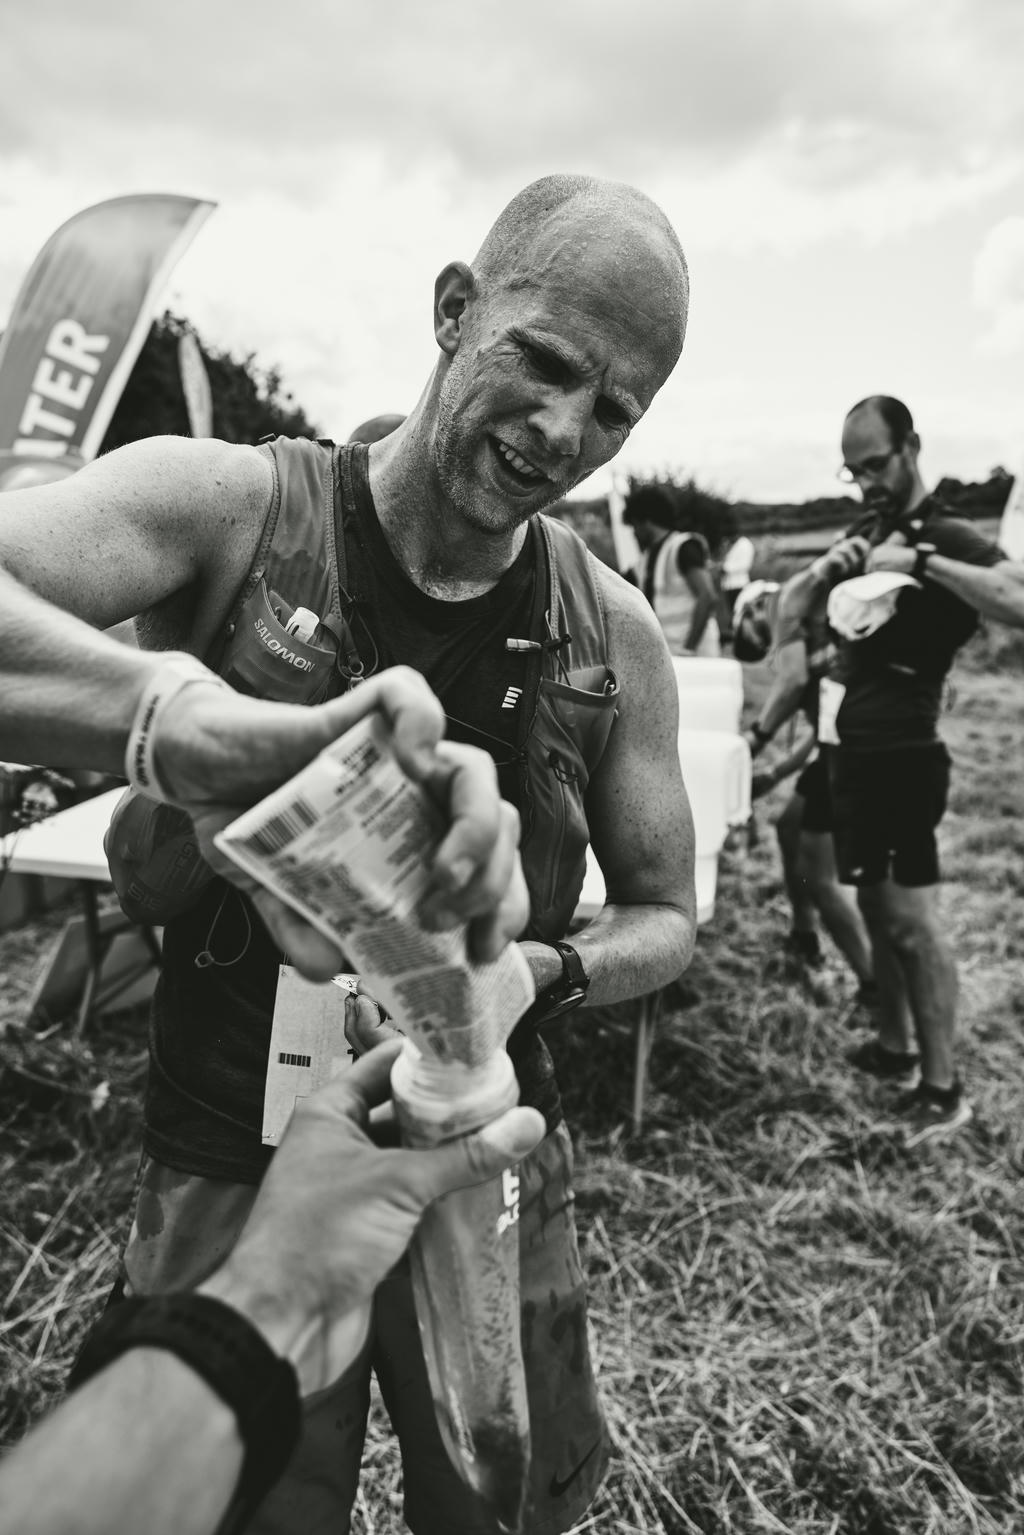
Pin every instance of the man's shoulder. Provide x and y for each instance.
(955, 534)
(187, 471)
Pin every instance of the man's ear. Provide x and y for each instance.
(913, 442)
(454, 291)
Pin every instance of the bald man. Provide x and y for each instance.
(429, 548)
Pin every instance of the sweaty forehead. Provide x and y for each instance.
(614, 276)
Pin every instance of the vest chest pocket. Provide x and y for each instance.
(575, 716)
(265, 661)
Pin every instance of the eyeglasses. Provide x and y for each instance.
(871, 468)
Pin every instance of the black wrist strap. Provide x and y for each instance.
(924, 553)
(567, 992)
(235, 1361)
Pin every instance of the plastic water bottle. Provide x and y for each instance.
(465, 1275)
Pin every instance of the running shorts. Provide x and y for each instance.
(886, 806)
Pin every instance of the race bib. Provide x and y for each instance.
(830, 697)
(307, 1044)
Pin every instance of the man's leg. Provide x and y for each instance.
(801, 943)
(909, 919)
(183, 1229)
(816, 864)
(896, 1031)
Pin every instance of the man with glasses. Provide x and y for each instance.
(889, 768)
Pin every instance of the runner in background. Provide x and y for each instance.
(801, 654)
(734, 573)
(673, 573)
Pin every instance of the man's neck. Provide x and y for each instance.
(438, 550)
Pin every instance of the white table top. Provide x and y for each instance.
(68, 845)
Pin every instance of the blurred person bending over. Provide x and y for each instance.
(376, 428)
(889, 771)
(427, 548)
(801, 652)
(673, 574)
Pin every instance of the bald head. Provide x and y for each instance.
(580, 222)
(376, 429)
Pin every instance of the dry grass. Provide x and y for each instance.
(798, 1329)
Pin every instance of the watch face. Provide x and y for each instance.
(566, 1004)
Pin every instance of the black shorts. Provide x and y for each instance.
(813, 786)
(886, 806)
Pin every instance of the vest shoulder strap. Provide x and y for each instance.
(575, 611)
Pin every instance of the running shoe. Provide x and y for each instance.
(902, 1069)
(932, 1114)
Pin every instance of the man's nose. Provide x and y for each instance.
(561, 419)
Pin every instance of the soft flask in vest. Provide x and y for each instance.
(270, 654)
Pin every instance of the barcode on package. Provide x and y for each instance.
(274, 835)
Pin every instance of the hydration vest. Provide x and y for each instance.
(569, 703)
(673, 601)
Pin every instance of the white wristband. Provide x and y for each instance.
(176, 672)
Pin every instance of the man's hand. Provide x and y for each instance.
(845, 558)
(336, 1212)
(899, 557)
(219, 752)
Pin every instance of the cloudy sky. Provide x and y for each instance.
(847, 177)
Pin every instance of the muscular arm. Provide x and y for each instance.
(162, 518)
(640, 823)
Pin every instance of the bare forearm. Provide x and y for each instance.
(69, 691)
(997, 591)
(146, 1445)
(703, 609)
(783, 701)
(627, 950)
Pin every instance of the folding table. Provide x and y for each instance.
(69, 845)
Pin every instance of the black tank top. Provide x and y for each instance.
(459, 647)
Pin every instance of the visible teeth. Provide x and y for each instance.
(519, 464)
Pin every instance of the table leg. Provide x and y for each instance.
(650, 1009)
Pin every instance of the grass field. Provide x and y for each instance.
(798, 1328)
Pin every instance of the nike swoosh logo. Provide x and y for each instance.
(557, 1487)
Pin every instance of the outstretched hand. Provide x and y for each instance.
(219, 752)
(335, 1212)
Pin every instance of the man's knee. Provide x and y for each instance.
(908, 919)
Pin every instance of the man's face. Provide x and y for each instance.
(548, 379)
(647, 533)
(884, 474)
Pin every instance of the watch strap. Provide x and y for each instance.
(924, 552)
(573, 972)
(235, 1361)
(569, 990)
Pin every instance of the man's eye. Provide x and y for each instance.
(611, 415)
(542, 363)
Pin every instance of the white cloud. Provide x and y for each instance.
(998, 286)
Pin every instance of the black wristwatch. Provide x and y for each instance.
(568, 991)
(924, 551)
(235, 1361)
